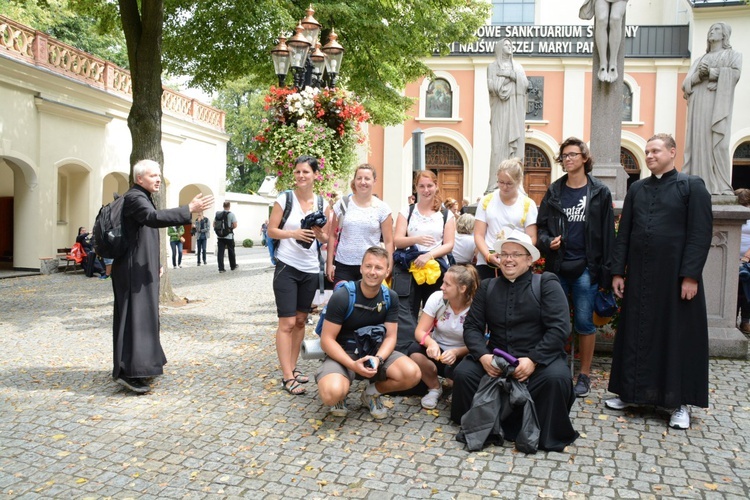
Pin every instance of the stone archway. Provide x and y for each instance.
(448, 165)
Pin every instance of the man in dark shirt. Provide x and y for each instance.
(393, 370)
(530, 325)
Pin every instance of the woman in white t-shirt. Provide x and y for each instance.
(505, 208)
(464, 248)
(359, 221)
(430, 228)
(440, 331)
(297, 266)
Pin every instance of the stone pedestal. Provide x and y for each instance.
(49, 265)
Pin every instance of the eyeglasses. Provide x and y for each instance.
(506, 184)
(572, 156)
(514, 256)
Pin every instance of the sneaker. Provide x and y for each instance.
(680, 418)
(374, 404)
(103, 276)
(134, 384)
(339, 409)
(430, 400)
(583, 386)
(618, 404)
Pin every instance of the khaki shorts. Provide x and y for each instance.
(332, 366)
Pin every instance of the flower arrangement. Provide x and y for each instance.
(324, 123)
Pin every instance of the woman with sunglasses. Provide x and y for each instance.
(576, 235)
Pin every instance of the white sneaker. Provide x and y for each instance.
(374, 404)
(618, 404)
(339, 409)
(430, 400)
(680, 418)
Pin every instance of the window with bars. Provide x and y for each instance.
(534, 157)
(439, 154)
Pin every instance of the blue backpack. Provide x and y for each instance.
(351, 287)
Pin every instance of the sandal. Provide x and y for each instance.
(295, 389)
(299, 377)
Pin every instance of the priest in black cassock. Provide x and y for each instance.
(660, 353)
(138, 355)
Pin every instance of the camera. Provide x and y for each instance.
(315, 219)
(370, 363)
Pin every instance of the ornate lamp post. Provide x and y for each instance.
(308, 60)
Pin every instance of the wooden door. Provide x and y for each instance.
(448, 165)
(451, 184)
(535, 183)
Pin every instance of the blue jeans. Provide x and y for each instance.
(201, 247)
(582, 292)
(176, 253)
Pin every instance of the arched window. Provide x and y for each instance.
(439, 99)
(741, 166)
(630, 164)
(627, 103)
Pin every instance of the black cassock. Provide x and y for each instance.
(135, 281)
(661, 347)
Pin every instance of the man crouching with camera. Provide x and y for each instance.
(359, 341)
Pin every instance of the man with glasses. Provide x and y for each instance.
(531, 322)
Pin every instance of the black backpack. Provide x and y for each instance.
(221, 224)
(273, 244)
(110, 240)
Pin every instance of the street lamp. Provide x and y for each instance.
(304, 54)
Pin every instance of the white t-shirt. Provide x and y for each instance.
(420, 225)
(449, 331)
(463, 248)
(498, 216)
(290, 252)
(361, 229)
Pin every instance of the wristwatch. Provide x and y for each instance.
(380, 360)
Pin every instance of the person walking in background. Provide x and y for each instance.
(264, 233)
(227, 241)
(504, 209)
(464, 248)
(202, 232)
(175, 242)
(576, 234)
(429, 227)
(137, 350)
(660, 354)
(358, 222)
(743, 295)
(295, 279)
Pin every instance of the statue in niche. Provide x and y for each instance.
(507, 85)
(608, 33)
(709, 90)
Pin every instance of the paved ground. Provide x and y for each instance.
(218, 425)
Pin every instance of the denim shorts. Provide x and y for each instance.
(582, 292)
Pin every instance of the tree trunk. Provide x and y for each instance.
(143, 36)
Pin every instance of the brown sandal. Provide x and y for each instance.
(295, 389)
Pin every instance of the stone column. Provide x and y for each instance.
(606, 125)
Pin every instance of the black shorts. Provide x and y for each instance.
(345, 272)
(443, 370)
(294, 290)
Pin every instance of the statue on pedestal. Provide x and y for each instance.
(507, 85)
(709, 90)
(608, 33)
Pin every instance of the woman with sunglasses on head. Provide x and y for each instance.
(576, 235)
(295, 279)
(505, 208)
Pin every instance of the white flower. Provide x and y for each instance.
(302, 123)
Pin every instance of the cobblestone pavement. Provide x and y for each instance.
(218, 425)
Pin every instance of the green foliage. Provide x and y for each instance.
(386, 42)
(248, 243)
(81, 29)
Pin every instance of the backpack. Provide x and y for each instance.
(110, 239)
(449, 256)
(351, 287)
(273, 244)
(526, 204)
(536, 287)
(221, 224)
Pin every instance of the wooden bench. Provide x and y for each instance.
(63, 255)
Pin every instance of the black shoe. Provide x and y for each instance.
(222, 270)
(199, 263)
(134, 384)
(583, 386)
(235, 267)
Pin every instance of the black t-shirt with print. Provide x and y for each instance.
(573, 201)
(366, 312)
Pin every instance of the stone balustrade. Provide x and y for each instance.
(39, 49)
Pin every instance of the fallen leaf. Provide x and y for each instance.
(58, 437)
(81, 480)
(711, 486)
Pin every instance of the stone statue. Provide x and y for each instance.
(507, 85)
(709, 90)
(608, 33)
